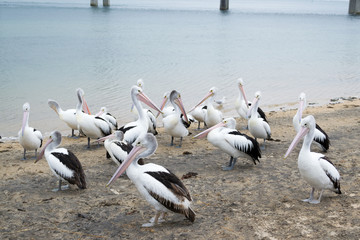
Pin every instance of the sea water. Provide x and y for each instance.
(49, 48)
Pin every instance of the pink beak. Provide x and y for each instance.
(209, 94)
(303, 131)
(205, 133)
(43, 150)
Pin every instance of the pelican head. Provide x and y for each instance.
(307, 126)
(227, 122)
(140, 83)
(302, 106)
(211, 93)
(175, 98)
(240, 83)
(254, 104)
(26, 112)
(137, 92)
(55, 138)
(164, 101)
(145, 145)
(81, 94)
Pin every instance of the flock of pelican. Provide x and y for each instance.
(129, 144)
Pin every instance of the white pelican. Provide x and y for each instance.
(68, 116)
(174, 125)
(258, 127)
(315, 168)
(29, 138)
(320, 137)
(199, 115)
(63, 163)
(242, 105)
(224, 136)
(104, 114)
(92, 126)
(212, 115)
(133, 130)
(160, 187)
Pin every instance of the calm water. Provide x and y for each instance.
(50, 48)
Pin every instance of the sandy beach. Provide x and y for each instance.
(250, 202)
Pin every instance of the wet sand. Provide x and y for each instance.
(249, 202)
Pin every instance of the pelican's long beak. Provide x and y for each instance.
(205, 133)
(163, 103)
(303, 131)
(253, 104)
(129, 159)
(25, 120)
(179, 102)
(243, 93)
(85, 106)
(209, 94)
(43, 150)
(106, 137)
(145, 99)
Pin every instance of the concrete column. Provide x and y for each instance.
(106, 3)
(94, 3)
(224, 4)
(354, 7)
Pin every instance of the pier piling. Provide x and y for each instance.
(94, 3)
(224, 4)
(354, 7)
(106, 3)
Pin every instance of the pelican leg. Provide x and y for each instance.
(35, 153)
(88, 146)
(24, 158)
(231, 164)
(181, 138)
(311, 196)
(154, 222)
(161, 218)
(317, 201)
(172, 141)
(198, 126)
(60, 187)
(262, 147)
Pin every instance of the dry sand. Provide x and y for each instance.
(249, 202)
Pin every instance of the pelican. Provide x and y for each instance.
(199, 115)
(90, 125)
(169, 109)
(315, 168)
(224, 136)
(29, 138)
(104, 114)
(160, 187)
(212, 115)
(258, 127)
(62, 162)
(242, 105)
(320, 137)
(68, 116)
(133, 130)
(173, 123)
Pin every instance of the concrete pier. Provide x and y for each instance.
(224, 4)
(94, 3)
(106, 3)
(354, 7)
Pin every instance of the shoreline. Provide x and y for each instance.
(260, 201)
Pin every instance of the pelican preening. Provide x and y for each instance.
(174, 125)
(29, 138)
(212, 115)
(224, 136)
(315, 168)
(258, 126)
(134, 129)
(104, 114)
(63, 163)
(67, 116)
(92, 126)
(160, 187)
(320, 136)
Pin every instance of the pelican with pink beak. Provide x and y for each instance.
(320, 136)
(103, 113)
(29, 138)
(62, 162)
(212, 115)
(134, 129)
(160, 187)
(315, 168)
(174, 125)
(92, 126)
(224, 136)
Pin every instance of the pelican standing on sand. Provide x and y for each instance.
(160, 187)
(67, 116)
(315, 168)
(29, 138)
(320, 136)
(62, 162)
(92, 126)
(258, 127)
(212, 115)
(224, 136)
(174, 125)
(199, 115)
(134, 129)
